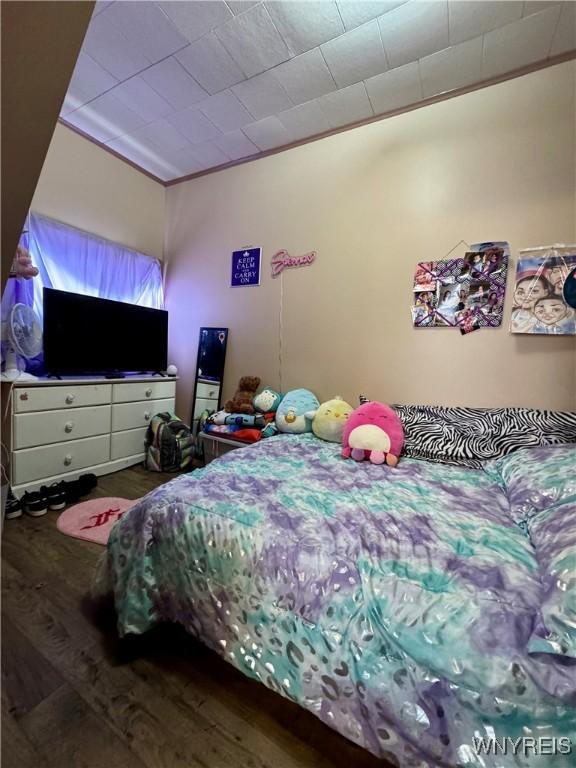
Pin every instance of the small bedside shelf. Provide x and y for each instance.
(216, 445)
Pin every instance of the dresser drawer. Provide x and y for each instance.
(202, 404)
(44, 427)
(207, 391)
(132, 415)
(132, 442)
(49, 398)
(143, 390)
(35, 463)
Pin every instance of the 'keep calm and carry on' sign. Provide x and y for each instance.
(246, 267)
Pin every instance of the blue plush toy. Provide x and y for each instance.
(296, 411)
(266, 401)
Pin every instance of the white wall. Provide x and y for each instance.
(495, 164)
(87, 187)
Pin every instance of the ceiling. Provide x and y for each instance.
(182, 87)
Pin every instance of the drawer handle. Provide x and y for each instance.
(69, 426)
(148, 392)
(24, 396)
(147, 416)
(68, 459)
(69, 399)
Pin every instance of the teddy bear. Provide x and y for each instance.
(242, 400)
(22, 265)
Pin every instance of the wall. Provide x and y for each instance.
(86, 187)
(498, 163)
(40, 45)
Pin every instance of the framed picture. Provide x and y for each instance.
(540, 305)
(466, 293)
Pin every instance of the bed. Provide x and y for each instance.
(396, 605)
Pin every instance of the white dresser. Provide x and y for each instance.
(207, 397)
(62, 429)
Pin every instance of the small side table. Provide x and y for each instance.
(216, 445)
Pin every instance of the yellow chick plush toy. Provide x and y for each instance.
(330, 418)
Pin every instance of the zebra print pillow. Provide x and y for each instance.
(468, 436)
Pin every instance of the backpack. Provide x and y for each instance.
(170, 444)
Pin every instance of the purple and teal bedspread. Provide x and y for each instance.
(394, 604)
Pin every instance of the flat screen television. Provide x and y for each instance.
(86, 335)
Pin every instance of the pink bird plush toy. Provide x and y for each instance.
(374, 432)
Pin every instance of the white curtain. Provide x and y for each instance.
(72, 260)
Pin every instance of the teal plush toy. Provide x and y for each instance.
(296, 411)
(267, 401)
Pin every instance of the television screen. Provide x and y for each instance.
(83, 334)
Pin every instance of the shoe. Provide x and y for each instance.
(35, 504)
(87, 483)
(71, 491)
(56, 495)
(13, 506)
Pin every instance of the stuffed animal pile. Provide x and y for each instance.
(373, 432)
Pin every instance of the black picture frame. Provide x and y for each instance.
(215, 331)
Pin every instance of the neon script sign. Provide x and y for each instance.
(282, 260)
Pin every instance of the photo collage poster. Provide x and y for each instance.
(540, 293)
(465, 293)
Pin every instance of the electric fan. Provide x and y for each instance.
(23, 336)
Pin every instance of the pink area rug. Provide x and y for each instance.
(93, 520)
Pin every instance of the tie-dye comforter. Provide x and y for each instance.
(394, 604)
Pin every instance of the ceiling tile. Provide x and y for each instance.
(395, 88)
(88, 81)
(182, 161)
(470, 19)
(268, 133)
(107, 45)
(304, 120)
(194, 125)
(142, 99)
(532, 6)
(226, 111)
(146, 27)
(304, 25)
(150, 158)
(209, 154)
(105, 118)
(162, 134)
(305, 77)
(194, 19)
(262, 95)
(356, 55)
(519, 43)
(346, 106)
(253, 41)
(239, 6)
(565, 36)
(236, 145)
(414, 30)
(173, 83)
(100, 5)
(452, 68)
(210, 64)
(353, 13)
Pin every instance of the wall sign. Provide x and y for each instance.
(282, 260)
(246, 267)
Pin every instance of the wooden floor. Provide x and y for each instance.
(75, 696)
